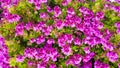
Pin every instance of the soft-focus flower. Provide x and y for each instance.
(113, 56)
(107, 45)
(50, 41)
(87, 49)
(43, 15)
(29, 26)
(30, 63)
(88, 56)
(46, 30)
(112, 0)
(118, 65)
(57, 11)
(99, 64)
(77, 41)
(49, 9)
(19, 29)
(70, 11)
(59, 24)
(66, 50)
(20, 58)
(80, 0)
(38, 6)
(4, 57)
(117, 24)
(52, 66)
(86, 65)
(66, 2)
(69, 38)
(31, 1)
(74, 60)
(40, 39)
(99, 15)
(43, 1)
(41, 65)
(61, 41)
(32, 40)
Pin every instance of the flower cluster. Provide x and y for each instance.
(37, 3)
(9, 3)
(44, 54)
(99, 64)
(117, 25)
(62, 34)
(11, 17)
(4, 57)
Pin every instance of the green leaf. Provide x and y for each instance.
(12, 61)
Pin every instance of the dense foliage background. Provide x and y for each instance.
(59, 34)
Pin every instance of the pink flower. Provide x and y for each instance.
(38, 6)
(31, 1)
(41, 65)
(113, 56)
(61, 41)
(99, 15)
(74, 59)
(118, 65)
(49, 9)
(40, 39)
(66, 50)
(66, 2)
(32, 40)
(20, 58)
(69, 38)
(19, 29)
(43, 1)
(29, 26)
(57, 11)
(87, 49)
(77, 41)
(117, 24)
(52, 66)
(30, 63)
(50, 41)
(59, 24)
(88, 56)
(70, 11)
(43, 15)
(118, 31)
